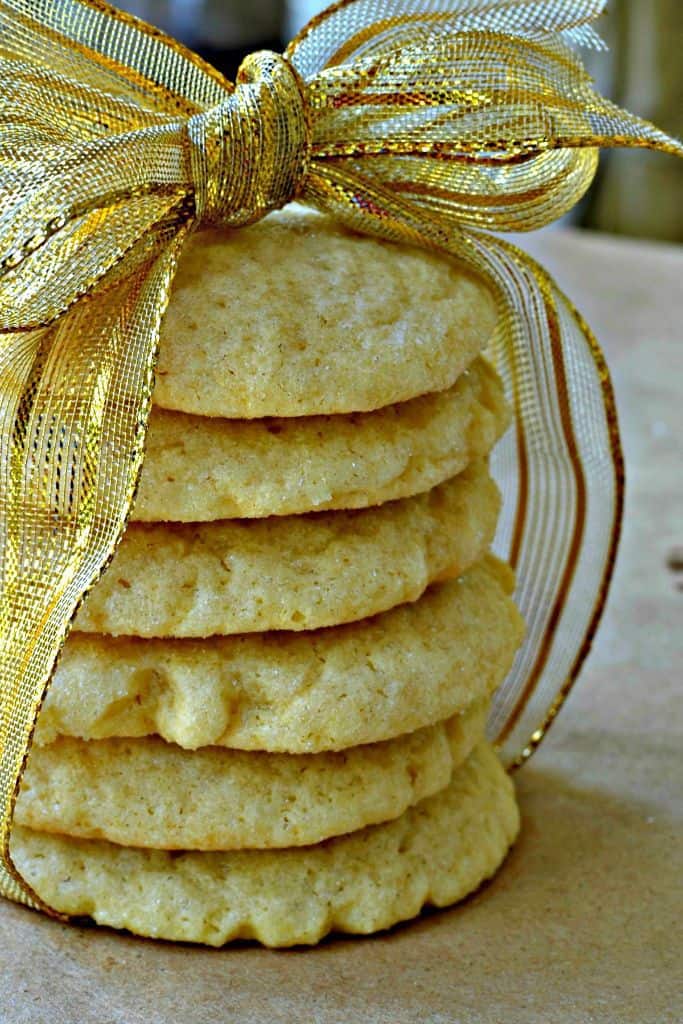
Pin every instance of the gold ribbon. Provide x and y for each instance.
(417, 121)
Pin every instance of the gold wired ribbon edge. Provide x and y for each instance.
(405, 120)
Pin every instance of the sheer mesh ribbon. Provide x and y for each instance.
(423, 122)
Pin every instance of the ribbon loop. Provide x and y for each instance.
(249, 154)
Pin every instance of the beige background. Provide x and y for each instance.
(583, 923)
(638, 192)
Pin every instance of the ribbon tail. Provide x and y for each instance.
(561, 468)
(74, 403)
(562, 475)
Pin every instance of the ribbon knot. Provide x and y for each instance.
(249, 154)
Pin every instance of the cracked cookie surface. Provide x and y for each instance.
(199, 469)
(297, 315)
(291, 572)
(149, 793)
(436, 852)
(295, 692)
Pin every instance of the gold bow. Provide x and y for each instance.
(415, 120)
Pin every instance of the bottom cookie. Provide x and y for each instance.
(436, 853)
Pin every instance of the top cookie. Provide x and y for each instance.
(297, 315)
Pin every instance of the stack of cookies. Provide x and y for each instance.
(269, 720)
